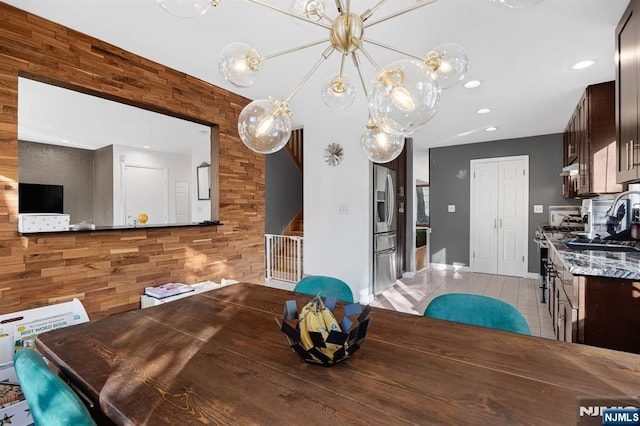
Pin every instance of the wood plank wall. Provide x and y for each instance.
(109, 270)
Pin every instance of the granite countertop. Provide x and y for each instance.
(599, 263)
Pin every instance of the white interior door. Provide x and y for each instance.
(499, 216)
(484, 214)
(511, 218)
(182, 202)
(145, 190)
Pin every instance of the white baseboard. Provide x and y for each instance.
(447, 267)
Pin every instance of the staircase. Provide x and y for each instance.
(296, 226)
(295, 147)
(284, 252)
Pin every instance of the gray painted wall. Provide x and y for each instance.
(449, 184)
(60, 165)
(283, 191)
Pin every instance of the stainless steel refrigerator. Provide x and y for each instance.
(384, 228)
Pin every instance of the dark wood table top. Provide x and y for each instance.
(219, 358)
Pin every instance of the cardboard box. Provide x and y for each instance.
(13, 406)
(42, 222)
(19, 330)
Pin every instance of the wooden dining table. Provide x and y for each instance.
(219, 357)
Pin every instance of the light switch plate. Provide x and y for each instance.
(343, 209)
(451, 208)
(538, 208)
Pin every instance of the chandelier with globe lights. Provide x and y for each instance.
(402, 98)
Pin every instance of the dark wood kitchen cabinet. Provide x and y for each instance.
(596, 311)
(590, 142)
(570, 154)
(627, 75)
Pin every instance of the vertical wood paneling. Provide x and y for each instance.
(108, 271)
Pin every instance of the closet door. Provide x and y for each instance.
(498, 216)
(511, 218)
(484, 217)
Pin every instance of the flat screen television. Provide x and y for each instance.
(40, 198)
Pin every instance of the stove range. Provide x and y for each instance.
(543, 245)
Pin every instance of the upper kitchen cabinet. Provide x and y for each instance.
(627, 40)
(590, 142)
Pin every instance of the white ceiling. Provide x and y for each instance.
(522, 56)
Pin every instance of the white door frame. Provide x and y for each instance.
(525, 208)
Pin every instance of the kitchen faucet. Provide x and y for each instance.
(618, 198)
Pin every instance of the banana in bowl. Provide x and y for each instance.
(317, 336)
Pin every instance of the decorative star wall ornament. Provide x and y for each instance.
(333, 154)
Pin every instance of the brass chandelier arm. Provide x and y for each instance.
(327, 52)
(344, 56)
(286, 12)
(294, 49)
(400, 12)
(393, 49)
(339, 6)
(367, 13)
(356, 64)
(366, 54)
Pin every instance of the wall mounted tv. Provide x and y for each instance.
(39, 198)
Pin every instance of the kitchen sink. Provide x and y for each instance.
(602, 245)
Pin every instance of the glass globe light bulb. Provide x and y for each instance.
(265, 125)
(405, 96)
(186, 8)
(450, 63)
(338, 93)
(518, 4)
(310, 9)
(380, 147)
(402, 98)
(240, 64)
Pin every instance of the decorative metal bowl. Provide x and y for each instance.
(349, 339)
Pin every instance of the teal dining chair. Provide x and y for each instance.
(51, 401)
(324, 286)
(477, 310)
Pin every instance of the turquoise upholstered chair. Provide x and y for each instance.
(51, 401)
(324, 286)
(477, 310)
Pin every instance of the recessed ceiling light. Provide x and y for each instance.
(491, 129)
(483, 111)
(466, 133)
(582, 64)
(146, 146)
(472, 84)
(65, 141)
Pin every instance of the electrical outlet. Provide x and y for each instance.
(343, 209)
(538, 208)
(451, 208)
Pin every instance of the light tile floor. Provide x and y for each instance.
(412, 295)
